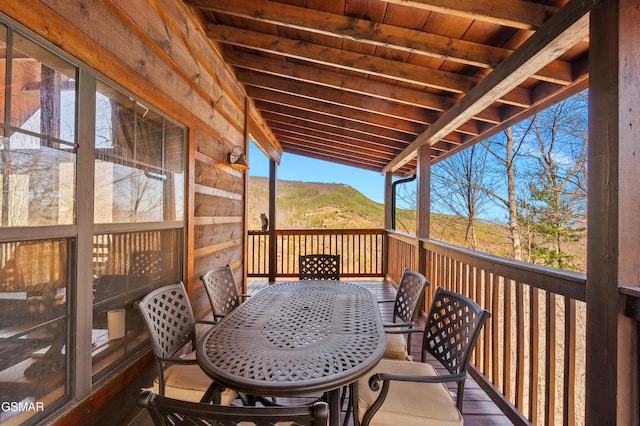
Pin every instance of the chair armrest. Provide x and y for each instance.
(386, 300)
(406, 325)
(207, 322)
(374, 381)
(184, 361)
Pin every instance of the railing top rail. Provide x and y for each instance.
(559, 281)
(402, 236)
(366, 231)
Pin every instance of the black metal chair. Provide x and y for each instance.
(410, 292)
(222, 290)
(319, 267)
(169, 319)
(418, 393)
(167, 411)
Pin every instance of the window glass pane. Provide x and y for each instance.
(3, 73)
(128, 266)
(174, 154)
(139, 174)
(43, 92)
(34, 326)
(38, 182)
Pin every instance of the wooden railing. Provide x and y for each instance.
(360, 250)
(530, 357)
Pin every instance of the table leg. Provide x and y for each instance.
(333, 399)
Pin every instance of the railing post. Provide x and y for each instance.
(273, 244)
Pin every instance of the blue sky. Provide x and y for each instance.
(299, 168)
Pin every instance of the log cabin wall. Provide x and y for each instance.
(158, 52)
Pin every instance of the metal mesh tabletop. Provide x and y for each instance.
(296, 337)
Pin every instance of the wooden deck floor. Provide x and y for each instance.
(477, 409)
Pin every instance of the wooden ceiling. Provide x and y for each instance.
(367, 82)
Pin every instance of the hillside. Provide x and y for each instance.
(310, 205)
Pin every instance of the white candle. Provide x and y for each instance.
(115, 323)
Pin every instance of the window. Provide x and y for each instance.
(37, 143)
(37, 177)
(137, 209)
(139, 173)
(139, 179)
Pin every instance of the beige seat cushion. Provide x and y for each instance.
(408, 403)
(189, 383)
(396, 347)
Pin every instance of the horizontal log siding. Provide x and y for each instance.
(530, 356)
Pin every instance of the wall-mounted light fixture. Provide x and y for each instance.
(238, 160)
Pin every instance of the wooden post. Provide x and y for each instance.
(613, 259)
(423, 204)
(273, 193)
(245, 196)
(388, 218)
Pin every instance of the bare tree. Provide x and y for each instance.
(505, 154)
(457, 186)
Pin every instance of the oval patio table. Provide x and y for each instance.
(296, 338)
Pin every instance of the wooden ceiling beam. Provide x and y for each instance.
(330, 157)
(337, 97)
(358, 62)
(333, 121)
(510, 13)
(321, 129)
(346, 113)
(367, 131)
(378, 34)
(353, 84)
(363, 147)
(565, 29)
(340, 98)
(317, 147)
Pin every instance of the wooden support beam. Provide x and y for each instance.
(566, 28)
(613, 227)
(511, 13)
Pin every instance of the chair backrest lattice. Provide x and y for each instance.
(409, 293)
(222, 290)
(169, 318)
(452, 328)
(147, 264)
(319, 267)
(168, 411)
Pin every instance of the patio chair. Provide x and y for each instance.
(167, 411)
(418, 395)
(169, 319)
(410, 291)
(319, 267)
(222, 290)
